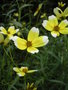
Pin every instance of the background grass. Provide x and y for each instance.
(51, 61)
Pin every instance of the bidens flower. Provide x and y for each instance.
(61, 4)
(11, 31)
(23, 70)
(33, 41)
(31, 86)
(55, 28)
(59, 13)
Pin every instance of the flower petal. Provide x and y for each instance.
(21, 74)
(55, 34)
(64, 31)
(3, 30)
(57, 13)
(47, 25)
(31, 71)
(63, 24)
(19, 42)
(33, 33)
(32, 50)
(17, 30)
(65, 12)
(53, 20)
(12, 30)
(40, 41)
(16, 69)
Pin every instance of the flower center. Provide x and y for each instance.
(56, 28)
(29, 43)
(25, 70)
(8, 32)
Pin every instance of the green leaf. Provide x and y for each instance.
(25, 5)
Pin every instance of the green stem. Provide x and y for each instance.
(25, 81)
(19, 10)
(10, 56)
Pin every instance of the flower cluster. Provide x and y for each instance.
(54, 24)
(55, 27)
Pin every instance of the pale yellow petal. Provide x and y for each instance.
(47, 25)
(65, 12)
(53, 20)
(16, 69)
(3, 30)
(40, 41)
(20, 74)
(58, 12)
(33, 33)
(11, 30)
(9, 36)
(64, 31)
(32, 50)
(55, 34)
(63, 24)
(19, 42)
(31, 71)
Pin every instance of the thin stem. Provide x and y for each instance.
(10, 56)
(19, 10)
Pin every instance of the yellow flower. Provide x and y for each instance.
(55, 28)
(33, 41)
(11, 31)
(23, 71)
(31, 86)
(61, 4)
(59, 13)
